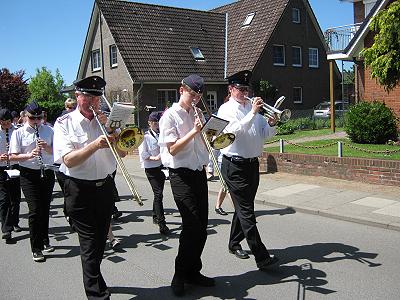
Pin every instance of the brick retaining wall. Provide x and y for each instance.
(376, 171)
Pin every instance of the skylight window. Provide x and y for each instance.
(196, 52)
(248, 19)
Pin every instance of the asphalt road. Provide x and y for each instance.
(320, 257)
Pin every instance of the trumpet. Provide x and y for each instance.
(125, 143)
(269, 111)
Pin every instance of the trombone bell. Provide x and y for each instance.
(129, 138)
(222, 141)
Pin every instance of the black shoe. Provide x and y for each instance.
(38, 256)
(164, 229)
(239, 253)
(48, 248)
(178, 286)
(6, 236)
(155, 221)
(221, 212)
(268, 263)
(201, 280)
(116, 215)
(17, 228)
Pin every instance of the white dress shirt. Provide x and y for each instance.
(73, 131)
(149, 147)
(23, 140)
(250, 129)
(175, 123)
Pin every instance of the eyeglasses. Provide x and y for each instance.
(35, 118)
(242, 88)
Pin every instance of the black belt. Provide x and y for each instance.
(97, 183)
(239, 159)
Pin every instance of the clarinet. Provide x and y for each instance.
(7, 150)
(39, 157)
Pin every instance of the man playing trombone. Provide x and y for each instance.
(240, 166)
(184, 153)
(82, 149)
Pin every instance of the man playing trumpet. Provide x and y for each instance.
(240, 166)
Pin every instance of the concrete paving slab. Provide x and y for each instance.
(391, 210)
(290, 190)
(374, 202)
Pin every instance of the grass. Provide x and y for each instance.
(305, 133)
(348, 151)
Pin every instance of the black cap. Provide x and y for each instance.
(34, 109)
(92, 85)
(241, 78)
(14, 114)
(5, 114)
(194, 82)
(155, 116)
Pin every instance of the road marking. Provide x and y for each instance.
(290, 190)
(374, 202)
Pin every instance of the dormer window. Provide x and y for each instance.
(196, 52)
(249, 19)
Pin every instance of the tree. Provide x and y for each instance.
(265, 90)
(45, 89)
(383, 57)
(13, 90)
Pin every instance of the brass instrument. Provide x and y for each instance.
(269, 111)
(39, 157)
(127, 137)
(210, 150)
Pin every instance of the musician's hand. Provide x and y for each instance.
(197, 125)
(42, 145)
(101, 141)
(4, 157)
(102, 118)
(257, 104)
(35, 152)
(272, 122)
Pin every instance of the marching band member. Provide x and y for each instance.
(10, 190)
(87, 162)
(184, 153)
(32, 146)
(240, 166)
(150, 160)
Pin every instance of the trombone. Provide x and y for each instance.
(269, 111)
(125, 141)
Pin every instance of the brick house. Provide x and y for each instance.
(143, 51)
(359, 37)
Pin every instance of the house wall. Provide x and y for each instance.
(313, 81)
(117, 78)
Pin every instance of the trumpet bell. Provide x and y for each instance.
(222, 141)
(285, 115)
(129, 138)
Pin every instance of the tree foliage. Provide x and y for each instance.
(13, 90)
(45, 89)
(384, 56)
(265, 90)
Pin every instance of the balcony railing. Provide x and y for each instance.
(338, 38)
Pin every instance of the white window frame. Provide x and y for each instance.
(296, 15)
(273, 56)
(113, 56)
(249, 19)
(313, 57)
(212, 102)
(301, 61)
(197, 54)
(161, 106)
(95, 59)
(301, 95)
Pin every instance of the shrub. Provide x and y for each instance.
(371, 123)
(285, 128)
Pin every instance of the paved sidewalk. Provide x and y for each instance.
(374, 205)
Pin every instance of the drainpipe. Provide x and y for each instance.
(138, 103)
(226, 45)
(101, 46)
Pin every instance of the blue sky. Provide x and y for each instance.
(51, 33)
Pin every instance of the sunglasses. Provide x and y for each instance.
(34, 118)
(242, 88)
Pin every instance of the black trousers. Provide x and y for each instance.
(190, 192)
(242, 179)
(156, 178)
(89, 205)
(38, 194)
(10, 198)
